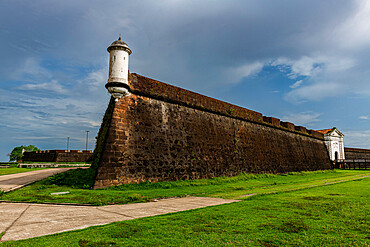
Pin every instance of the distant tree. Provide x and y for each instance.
(17, 152)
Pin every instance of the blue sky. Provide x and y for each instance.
(301, 61)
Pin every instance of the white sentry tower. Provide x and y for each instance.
(118, 69)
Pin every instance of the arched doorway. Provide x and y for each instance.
(336, 156)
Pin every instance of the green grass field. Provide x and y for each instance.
(75, 181)
(330, 215)
(13, 170)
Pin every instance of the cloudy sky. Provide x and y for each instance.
(307, 62)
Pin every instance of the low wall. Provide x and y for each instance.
(356, 153)
(161, 132)
(57, 156)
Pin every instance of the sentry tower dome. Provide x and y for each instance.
(118, 69)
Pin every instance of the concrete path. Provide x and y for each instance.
(23, 220)
(18, 180)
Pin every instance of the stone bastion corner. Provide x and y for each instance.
(160, 132)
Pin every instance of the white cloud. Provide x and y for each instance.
(302, 118)
(311, 66)
(336, 67)
(30, 70)
(354, 33)
(314, 92)
(52, 86)
(339, 64)
(49, 119)
(33, 138)
(296, 84)
(96, 78)
(325, 77)
(357, 138)
(243, 71)
(305, 66)
(364, 117)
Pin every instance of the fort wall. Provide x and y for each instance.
(356, 153)
(161, 132)
(57, 156)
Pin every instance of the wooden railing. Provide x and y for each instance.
(352, 164)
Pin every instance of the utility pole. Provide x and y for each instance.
(67, 144)
(87, 138)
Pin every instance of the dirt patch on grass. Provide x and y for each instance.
(293, 226)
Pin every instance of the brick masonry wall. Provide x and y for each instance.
(39, 157)
(56, 156)
(356, 153)
(158, 137)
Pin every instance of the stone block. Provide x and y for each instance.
(272, 120)
(301, 129)
(288, 125)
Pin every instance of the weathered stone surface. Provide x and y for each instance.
(272, 120)
(148, 87)
(288, 125)
(150, 139)
(356, 153)
(163, 91)
(301, 129)
(58, 156)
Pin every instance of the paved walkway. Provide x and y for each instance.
(18, 180)
(24, 220)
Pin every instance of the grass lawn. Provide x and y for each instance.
(332, 215)
(224, 187)
(13, 170)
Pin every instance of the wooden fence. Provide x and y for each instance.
(352, 164)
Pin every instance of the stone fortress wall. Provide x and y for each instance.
(57, 156)
(356, 154)
(162, 133)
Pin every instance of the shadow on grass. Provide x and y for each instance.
(76, 178)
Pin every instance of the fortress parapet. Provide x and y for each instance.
(58, 156)
(301, 129)
(148, 87)
(272, 120)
